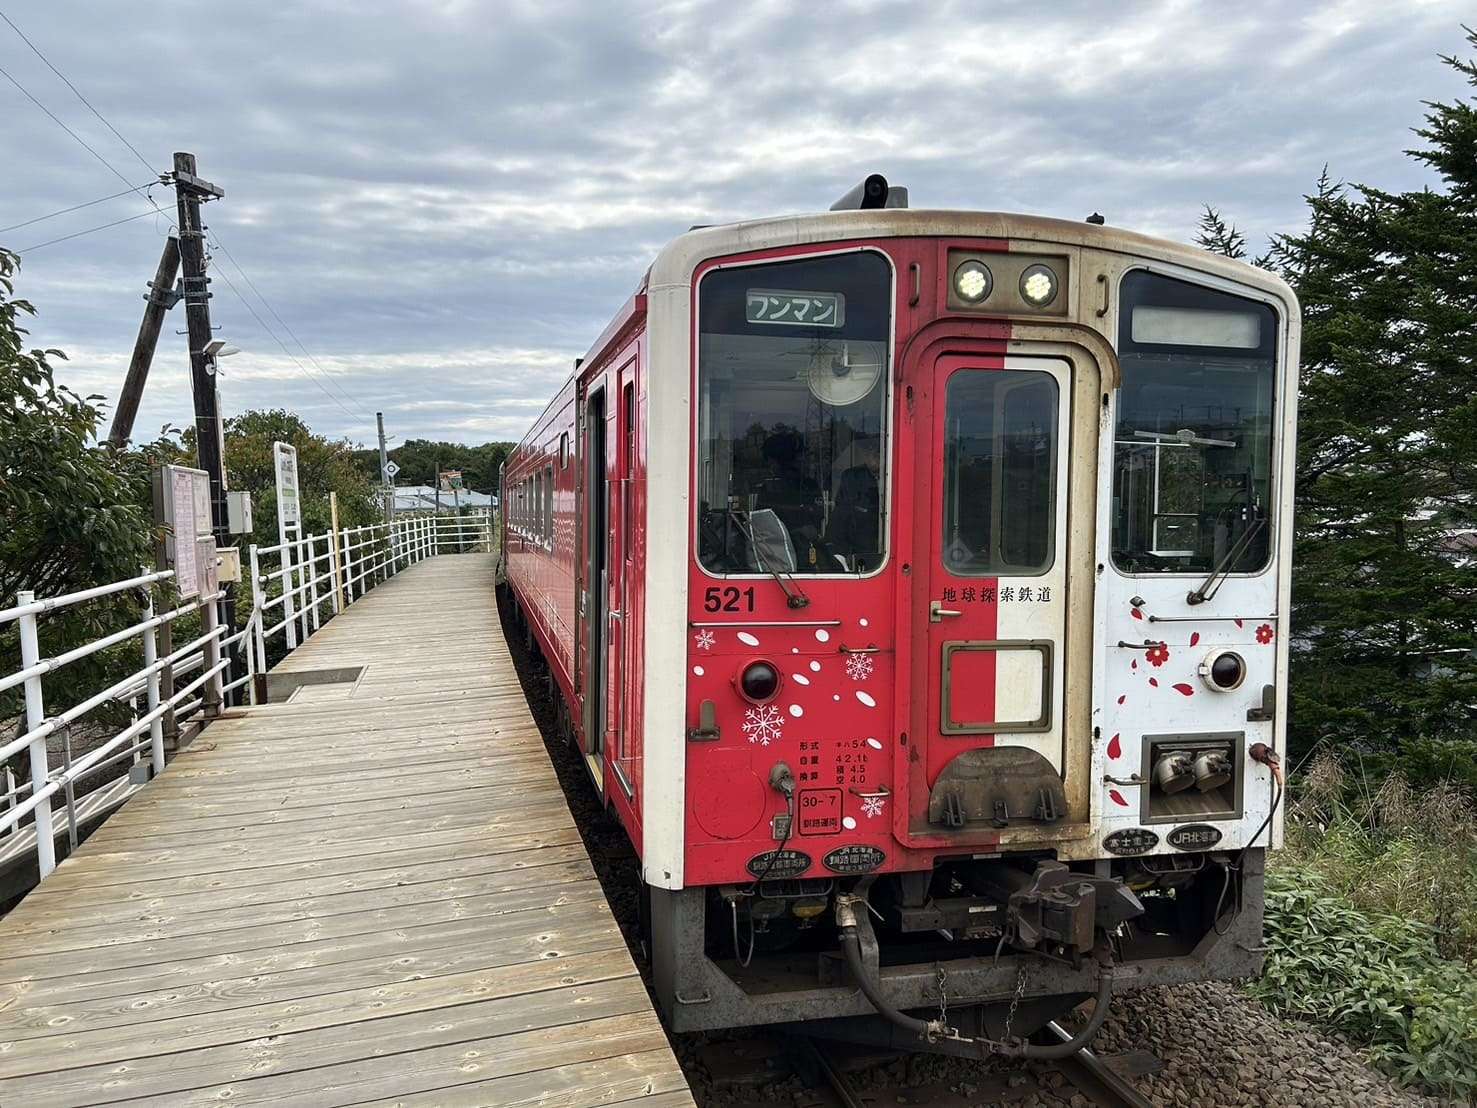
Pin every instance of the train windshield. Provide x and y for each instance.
(792, 392)
(1192, 458)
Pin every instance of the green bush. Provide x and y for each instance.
(1379, 980)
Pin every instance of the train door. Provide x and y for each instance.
(596, 584)
(625, 594)
(990, 635)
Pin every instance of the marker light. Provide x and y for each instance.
(1038, 285)
(1223, 671)
(758, 682)
(972, 281)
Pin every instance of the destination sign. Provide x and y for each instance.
(795, 309)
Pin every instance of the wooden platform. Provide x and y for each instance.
(371, 893)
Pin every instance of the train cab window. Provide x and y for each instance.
(1000, 461)
(792, 391)
(1192, 457)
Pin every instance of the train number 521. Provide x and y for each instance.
(730, 599)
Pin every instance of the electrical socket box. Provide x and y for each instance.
(228, 565)
(238, 513)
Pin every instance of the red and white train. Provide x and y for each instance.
(916, 586)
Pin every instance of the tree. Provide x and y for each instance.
(1384, 607)
(1219, 237)
(323, 466)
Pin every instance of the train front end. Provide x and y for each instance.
(981, 619)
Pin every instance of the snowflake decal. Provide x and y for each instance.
(763, 724)
(1157, 654)
(704, 640)
(872, 806)
(1264, 634)
(859, 666)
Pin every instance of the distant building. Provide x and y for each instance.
(423, 498)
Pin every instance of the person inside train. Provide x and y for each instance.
(854, 530)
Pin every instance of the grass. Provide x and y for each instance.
(1371, 925)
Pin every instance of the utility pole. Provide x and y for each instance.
(389, 486)
(190, 192)
(161, 297)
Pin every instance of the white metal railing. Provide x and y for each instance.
(209, 653)
(295, 587)
(298, 584)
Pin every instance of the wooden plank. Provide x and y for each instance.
(151, 1077)
(374, 895)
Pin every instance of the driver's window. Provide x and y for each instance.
(792, 392)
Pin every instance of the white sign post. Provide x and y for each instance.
(289, 518)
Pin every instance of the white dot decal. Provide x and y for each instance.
(865, 699)
(848, 823)
(747, 639)
(800, 678)
(863, 622)
(794, 650)
(796, 711)
(875, 744)
(822, 635)
(815, 667)
(835, 696)
(697, 670)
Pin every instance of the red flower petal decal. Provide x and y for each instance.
(1238, 623)
(1122, 698)
(1264, 634)
(1154, 681)
(1115, 748)
(1118, 798)
(1194, 638)
(1184, 689)
(1157, 654)
(1137, 614)
(1133, 664)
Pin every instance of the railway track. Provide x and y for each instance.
(814, 1073)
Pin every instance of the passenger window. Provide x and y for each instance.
(1000, 462)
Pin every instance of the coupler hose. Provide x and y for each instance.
(850, 921)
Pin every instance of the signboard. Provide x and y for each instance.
(795, 309)
(451, 479)
(184, 509)
(284, 459)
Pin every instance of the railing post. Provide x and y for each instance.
(212, 696)
(289, 623)
(333, 561)
(310, 560)
(35, 717)
(259, 614)
(151, 656)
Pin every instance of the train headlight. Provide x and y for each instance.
(1223, 671)
(1038, 285)
(972, 282)
(759, 682)
(1174, 771)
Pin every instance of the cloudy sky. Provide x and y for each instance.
(443, 202)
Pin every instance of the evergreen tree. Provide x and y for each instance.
(1219, 237)
(1384, 605)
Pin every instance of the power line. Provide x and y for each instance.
(81, 141)
(267, 304)
(265, 327)
(37, 51)
(77, 207)
(90, 230)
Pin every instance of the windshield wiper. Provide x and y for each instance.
(1212, 584)
(793, 597)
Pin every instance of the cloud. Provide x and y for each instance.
(446, 201)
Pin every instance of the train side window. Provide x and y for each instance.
(793, 361)
(549, 506)
(1000, 462)
(564, 450)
